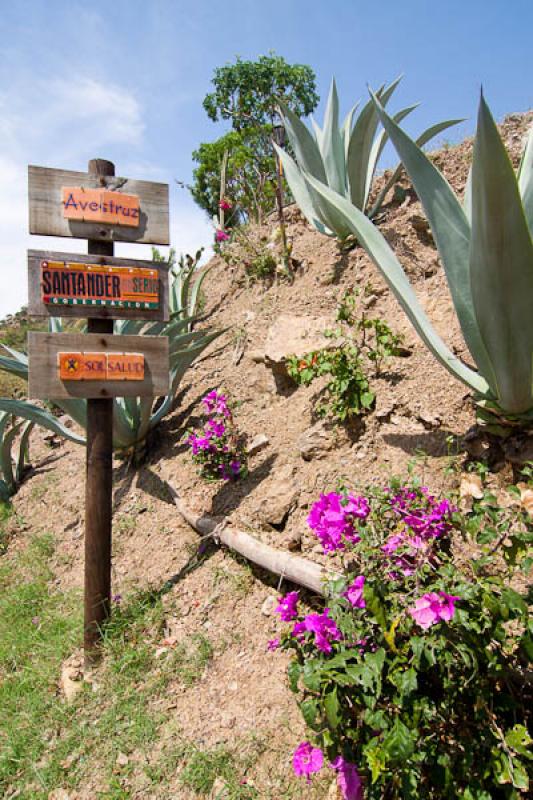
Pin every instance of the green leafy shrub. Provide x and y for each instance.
(414, 679)
(362, 343)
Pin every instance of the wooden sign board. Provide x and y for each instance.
(113, 359)
(73, 285)
(83, 205)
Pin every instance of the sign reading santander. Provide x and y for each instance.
(100, 205)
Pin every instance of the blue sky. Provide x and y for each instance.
(124, 80)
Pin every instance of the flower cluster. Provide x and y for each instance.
(221, 236)
(224, 204)
(334, 519)
(218, 448)
(433, 607)
(307, 760)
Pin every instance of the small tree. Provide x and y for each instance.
(247, 93)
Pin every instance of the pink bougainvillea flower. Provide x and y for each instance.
(392, 544)
(322, 626)
(224, 204)
(307, 759)
(217, 404)
(354, 592)
(348, 779)
(273, 644)
(221, 236)
(287, 606)
(333, 522)
(432, 608)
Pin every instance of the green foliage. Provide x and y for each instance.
(487, 252)
(247, 92)
(362, 343)
(260, 257)
(204, 767)
(434, 713)
(250, 174)
(342, 157)
(134, 417)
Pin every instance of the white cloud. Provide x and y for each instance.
(51, 122)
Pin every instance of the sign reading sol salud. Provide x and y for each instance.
(100, 366)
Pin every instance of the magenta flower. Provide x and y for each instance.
(307, 759)
(348, 779)
(287, 606)
(432, 608)
(221, 236)
(392, 544)
(273, 644)
(224, 204)
(216, 428)
(322, 626)
(217, 404)
(354, 592)
(333, 522)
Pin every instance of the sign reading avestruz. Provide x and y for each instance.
(107, 208)
(64, 285)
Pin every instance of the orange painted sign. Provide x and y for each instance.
(64, 283)
(100, 366)
(100, 205)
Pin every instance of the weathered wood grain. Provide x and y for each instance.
(46, 207)
(37, 308)
(44, 381)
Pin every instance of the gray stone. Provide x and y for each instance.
(279, 499)
(290, 335)
(258, 443)
(315, 442)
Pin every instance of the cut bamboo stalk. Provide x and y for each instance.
(288, 566)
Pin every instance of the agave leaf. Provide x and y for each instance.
(300, 191)
(467, 199)
(17, 355)
(23, 450)
(525, 180)
(123, 430)
(423, 139)
(333, 145)
(451, 232)
(35, 414)
(6, 467)
(377, 149)
(360, 146)
(378, 249)
(6, 456)
(305, 147)
(347, 128)
(195, 292)
(501, 264)
(14, 367)
(317, 131)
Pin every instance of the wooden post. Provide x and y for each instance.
(99, 481)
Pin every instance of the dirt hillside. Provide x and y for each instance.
(242, 698)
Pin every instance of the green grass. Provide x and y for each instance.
(45, 743)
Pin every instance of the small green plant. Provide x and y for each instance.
(361, 342)
(415, 679)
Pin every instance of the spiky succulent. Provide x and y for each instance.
(133, 417)
(485, 245)
(343, 157)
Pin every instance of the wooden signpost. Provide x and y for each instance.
(97, 365)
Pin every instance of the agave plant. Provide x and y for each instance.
(14, 464)
(485, 244)
(344, 158)
(134, 417)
